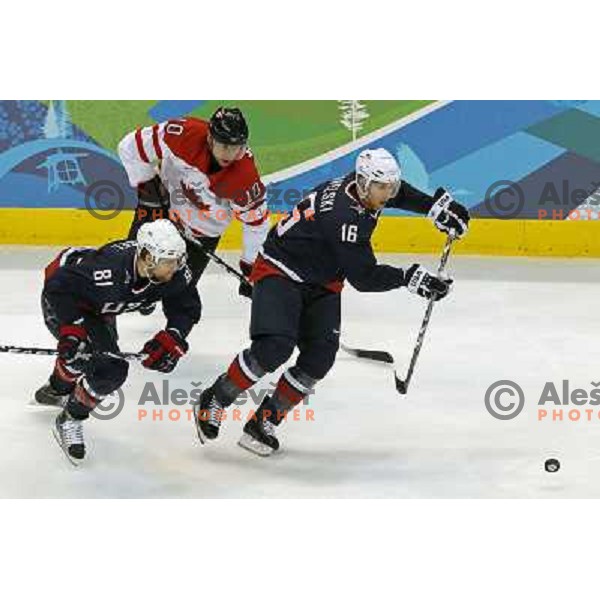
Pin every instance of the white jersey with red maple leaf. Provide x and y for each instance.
(203, 199)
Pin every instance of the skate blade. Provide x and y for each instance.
(200, 436)
(249, 443)
(33, 406)
(199, 433)
(74, 461)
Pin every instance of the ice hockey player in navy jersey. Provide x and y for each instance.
(298, 276)
(85, 289)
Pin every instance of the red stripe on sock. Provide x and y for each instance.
(288, 393)
(236, 375)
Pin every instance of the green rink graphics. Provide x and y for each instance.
(528, 170)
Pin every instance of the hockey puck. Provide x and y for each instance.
(551, 465)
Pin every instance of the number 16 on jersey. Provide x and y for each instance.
(349, 233)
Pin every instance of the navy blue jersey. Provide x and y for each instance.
(105, 281)
(327, 238)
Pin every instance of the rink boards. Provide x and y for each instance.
(514, 237)
(521, 167)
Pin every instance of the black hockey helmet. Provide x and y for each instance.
(228, 126)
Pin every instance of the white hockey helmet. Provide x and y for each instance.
(161, 240)
(377, 164)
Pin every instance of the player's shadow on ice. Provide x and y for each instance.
(315, 467)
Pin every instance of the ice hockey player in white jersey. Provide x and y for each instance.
(201, 175)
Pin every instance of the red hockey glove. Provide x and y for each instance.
(164, 351)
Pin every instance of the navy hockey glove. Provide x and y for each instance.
(426, 284)
(449, 216)
(72, 343)
(164, 351)
(153, 194)
(245, 288)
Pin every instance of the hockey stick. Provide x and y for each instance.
(231, 270)
(402, 384)
(376, 355)
(54, 352)
(218, 260)
(379, 355)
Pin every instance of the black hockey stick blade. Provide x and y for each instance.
(376, 355)
(401, 386)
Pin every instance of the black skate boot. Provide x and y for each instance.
(68, 432)
(208, 414)
(259, 431)
(50, 397)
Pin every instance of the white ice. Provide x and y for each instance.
(526, 320)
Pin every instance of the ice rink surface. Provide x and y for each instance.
(526, 320)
